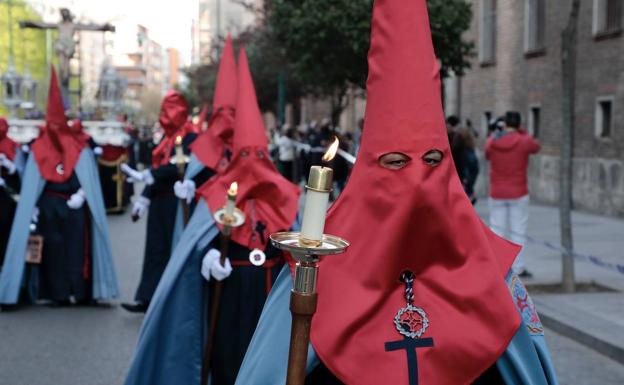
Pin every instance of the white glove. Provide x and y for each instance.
(2, 182)
(211, 266)
(211, 256)
(140, 206)
(7, 163)
(185, 190)
(77, 200)
(137, 176)
(35, 215)
(98, 151)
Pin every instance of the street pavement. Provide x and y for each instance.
(94, 346)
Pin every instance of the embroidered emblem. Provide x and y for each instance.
(525, 306)
(60, 169)
(257, 257)
(411, 322)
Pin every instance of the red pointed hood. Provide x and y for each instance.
(7, 146)
(418, 219)
(57, 149)
(211, 145)
(174, 121)
(269, 201)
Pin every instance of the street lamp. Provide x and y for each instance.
(12, 89)
(29, 94)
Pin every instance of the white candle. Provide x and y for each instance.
(316, 202)
(179, 150)
(231, 200)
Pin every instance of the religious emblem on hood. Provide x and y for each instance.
(60, 169)
(410, 321)
(257, 257)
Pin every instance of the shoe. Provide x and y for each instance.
(138, 307)
(525, 274)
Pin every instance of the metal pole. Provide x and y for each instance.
(10, 12)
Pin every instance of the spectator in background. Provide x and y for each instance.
(286, 151)
(508, 152)
(463, 150)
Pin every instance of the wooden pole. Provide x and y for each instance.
(302, 308)
(215, 301)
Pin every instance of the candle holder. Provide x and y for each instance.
(227, 222)
(303, 298)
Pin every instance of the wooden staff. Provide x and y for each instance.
(215, 301)
(302, 308)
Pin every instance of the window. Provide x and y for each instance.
(487, 47)
(534, 25)
(607, 17)
(603, 125)
(534, 123)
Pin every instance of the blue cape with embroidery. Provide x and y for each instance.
(525, 362)
(104, 278)
(171, 340)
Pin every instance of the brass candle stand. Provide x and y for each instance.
(303, 298)
(227, 222)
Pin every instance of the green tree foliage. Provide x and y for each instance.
(29, 46)
(327, 41)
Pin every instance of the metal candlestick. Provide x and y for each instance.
(303, 297)
(228, 223)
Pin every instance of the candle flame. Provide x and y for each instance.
(233, 189)
(331, 151)
(178, 140)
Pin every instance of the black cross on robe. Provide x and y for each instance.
(410, 345)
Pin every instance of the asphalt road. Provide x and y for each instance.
(93, 346)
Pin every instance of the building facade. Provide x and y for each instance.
(518, 67)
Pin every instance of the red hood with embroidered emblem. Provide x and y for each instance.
(58, 147)
(416, 219)
(270, 202)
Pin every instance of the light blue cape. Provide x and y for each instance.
(172, 337)
(525, 362)
(104, 278)
(192, 170)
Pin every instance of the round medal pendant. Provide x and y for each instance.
(257, 257)
(60, 169)
(411, 321)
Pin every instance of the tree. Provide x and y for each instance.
(568, 82)
(326, 41)
(29, 46)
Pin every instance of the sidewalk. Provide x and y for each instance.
(593, 319)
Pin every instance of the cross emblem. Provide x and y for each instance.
(410, 345)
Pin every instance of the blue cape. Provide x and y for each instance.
(171, 340)
(104, 277)
(525, 362)
(192, 170)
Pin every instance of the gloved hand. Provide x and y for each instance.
(77, 200)
(7, 163)
(137, 176)
(98, 151)
(211, 256)
(140, 207)
(34, 219)
(185, 190)
(211, 266)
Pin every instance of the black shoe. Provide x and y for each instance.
(60, 303)
(138, 307)
(87, 302)
(525, 274)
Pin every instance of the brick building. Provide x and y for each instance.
(518, 68)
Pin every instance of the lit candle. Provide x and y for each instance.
(231, 200)
(317, 199)
(179, 150)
